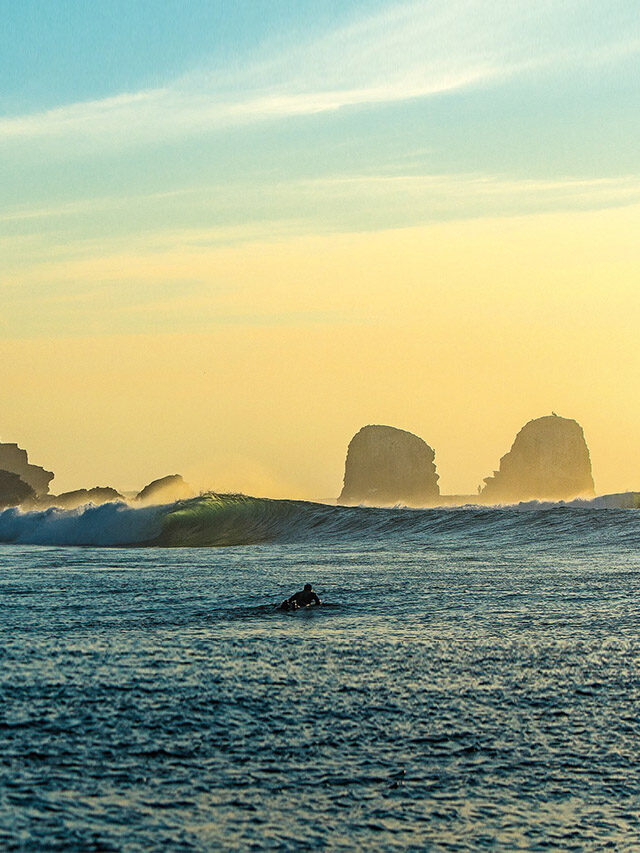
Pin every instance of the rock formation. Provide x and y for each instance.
(16, 461)
(164, 490)
(549, 460)
(80, 497)
(13, 490)
(387, 466)
(621, 500)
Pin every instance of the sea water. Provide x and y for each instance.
(475, 683)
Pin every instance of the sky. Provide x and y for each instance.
(233, 233)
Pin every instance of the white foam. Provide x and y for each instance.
(108, 524)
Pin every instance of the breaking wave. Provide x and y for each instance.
(105, 525)
(219, 520)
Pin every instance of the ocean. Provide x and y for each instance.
(474, 682)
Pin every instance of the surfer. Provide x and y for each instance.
(304, 598)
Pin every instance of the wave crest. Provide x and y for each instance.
(217, 520)
(214, 519)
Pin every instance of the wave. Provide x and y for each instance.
(221, 520)
(110, 524)
(214, 520)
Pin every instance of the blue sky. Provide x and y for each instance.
(53, 53)
(464, 85)
(140, 123)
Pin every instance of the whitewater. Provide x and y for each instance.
(475, 683)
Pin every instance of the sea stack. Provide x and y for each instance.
(549, 460)
(387, 466)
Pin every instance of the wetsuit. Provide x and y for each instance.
(300, 599)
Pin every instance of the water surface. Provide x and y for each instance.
(476, 684)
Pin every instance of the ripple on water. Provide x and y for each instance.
(445, 701)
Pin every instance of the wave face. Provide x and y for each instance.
(239, 520)
(220, 520)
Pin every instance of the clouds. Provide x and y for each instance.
(232, 213)
(420, 112)
(402, 52)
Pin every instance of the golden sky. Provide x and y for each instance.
(459, 331)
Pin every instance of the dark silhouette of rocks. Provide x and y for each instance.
(549, 460)
(387, 466)
(81, 497)
(13, 490)
(165, 490)
(16, 461)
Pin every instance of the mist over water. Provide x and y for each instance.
(475, 684)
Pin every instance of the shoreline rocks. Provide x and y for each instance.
(80, 497)
(15, 460)
(13, 490)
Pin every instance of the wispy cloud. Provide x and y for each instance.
(406, 51)
(470, 186)
(425, 196)
(176, 111)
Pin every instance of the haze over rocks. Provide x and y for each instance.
(387, 466)
(80, 497)
(549, 460)
(26, 485)
(171, 488)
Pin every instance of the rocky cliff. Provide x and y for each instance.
(387, 466)
(16, 461)
(549, 460)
